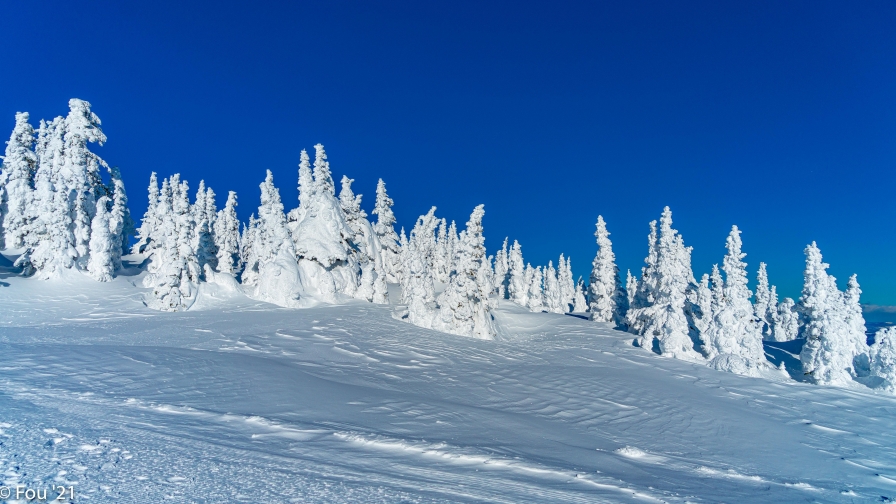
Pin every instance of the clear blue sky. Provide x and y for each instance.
(779, 117)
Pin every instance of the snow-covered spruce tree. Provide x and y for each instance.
(306, 179)
(701, 305)
(443, 258)
(765, 309)
(273, 269)
(48, 238)
(567, 284)
(380, 289)
(323, 239)
(517, 283)
(385, 232)
(883, 360)
(249, 274)
(79, 175)
(464, 306)
(203, 240)
(579, 303)
(735, 336)
(787, 321)
(367, 248)
(417, 291)
(120, 222)
(830, 349)
(607, 297)
(227, 237)
(708, 308)
(645, 291)
(150, 219)
(659, 316)
(17, 180)
(535, 296)
(631, 288)
(103, 242)
(552, 301)
(501, 271)
(855, 321)
(174, 273)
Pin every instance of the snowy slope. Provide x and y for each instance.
(242, 401)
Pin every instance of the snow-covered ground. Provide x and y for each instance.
(243, 401)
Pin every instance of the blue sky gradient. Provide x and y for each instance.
(779, 117)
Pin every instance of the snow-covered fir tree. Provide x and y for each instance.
(883, 360)
(150, 219)
(227, 237)
(631, 288)
(567, 284)
(658, 316)
(579, 303)
(17, 182)
(517, 283)
(417, 290)
(323, 239)
(174, 273)
(828, 354)
(442, 259)
(787, 322)
(765, 308)
(735, 336)
(103, 242)
(607, 297)
(702, 306)
(121, 224)
(552, 301)
(855, 321)
(646, 286)
(367, 248)
(385, 232)
(535, 296)
(247, 251)
(79, 175)
(502, 271)
(203, 241)
(464, 306)
(273, 270)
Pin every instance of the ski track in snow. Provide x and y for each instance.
(247, 402)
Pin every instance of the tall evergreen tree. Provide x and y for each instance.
(567, 284)
(579, 303)
(385, 232)
(608, 300)
(658, 317)
(535, 296)
(501, 271)
(735, 337)
(227, 237)
(17, 181)
(150, 219)
(103, 243)
(829, 352)
(787, 322)
(518, 284)
(552, 299)
(417, 291)
(464, 305)
(120, 222)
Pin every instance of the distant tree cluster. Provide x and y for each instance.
(59, 214)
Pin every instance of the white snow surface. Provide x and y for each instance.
(239, 400)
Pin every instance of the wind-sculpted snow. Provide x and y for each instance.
(239, 400)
